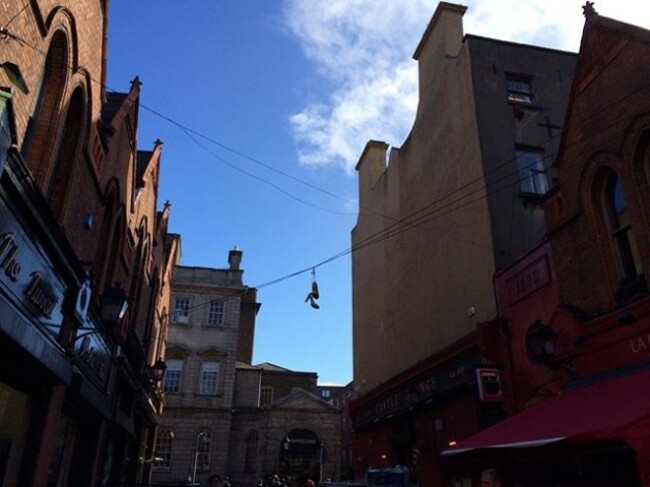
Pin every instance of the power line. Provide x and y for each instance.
(420, 216)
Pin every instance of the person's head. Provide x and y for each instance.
(490, 478)
(213, 480)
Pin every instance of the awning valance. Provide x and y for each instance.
(615, 409)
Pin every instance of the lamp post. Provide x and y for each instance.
(196, 455)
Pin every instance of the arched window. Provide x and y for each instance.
(42, 124)
(57, 188)
(250, 459)
(620, 228)
(164, 444)
(203, 449)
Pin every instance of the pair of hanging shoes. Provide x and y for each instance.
(313, 296)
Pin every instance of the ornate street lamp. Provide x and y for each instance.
(113, 304)
(158, 370)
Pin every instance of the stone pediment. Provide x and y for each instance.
(212, 354)
(304, 401)
(176, 353)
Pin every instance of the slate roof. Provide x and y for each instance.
(113, 103)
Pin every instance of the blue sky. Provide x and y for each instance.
(280, 97)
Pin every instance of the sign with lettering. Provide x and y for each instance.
(529, 279)
(93, 351)
(26, 274)
(459, 370)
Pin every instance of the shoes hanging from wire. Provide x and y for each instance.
(314, 294)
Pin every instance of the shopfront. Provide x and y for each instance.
(592, 435)
(54, 382)
(407, 425)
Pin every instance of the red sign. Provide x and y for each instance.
(489, 385)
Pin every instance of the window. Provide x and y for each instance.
(203, 448)
(216, 313)
(532, 173)
(266, 396)
(173, 376)
(164, 443)
(325, 394)
(181, 310)
(620, 227)
(209, 378)
(519, 89)
(250, 459)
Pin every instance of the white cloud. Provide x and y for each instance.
(364, 48)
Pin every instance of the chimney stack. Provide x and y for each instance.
(234, 258)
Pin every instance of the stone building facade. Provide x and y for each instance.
(224, 415)
(284, 429)
(211, 307)
(79, 223)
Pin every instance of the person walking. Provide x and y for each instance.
(490, 478)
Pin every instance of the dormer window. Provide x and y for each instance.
(519, 89)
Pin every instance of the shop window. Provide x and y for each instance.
(164, 444)
(250, 458)
(181, 311)
(14, 419)
(266, 396)
(533, 178)
(620, 227)
(519, 89)
(216, 313)
(203, 449)
(209, 378)
(173, 376)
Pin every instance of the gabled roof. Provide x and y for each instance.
(302, 399)
(272, 367)
(603, 39)
(144, 156)
(113, 103)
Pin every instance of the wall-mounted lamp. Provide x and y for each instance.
(113, 304)
(626, 318)
(15, 76)
(541, 343)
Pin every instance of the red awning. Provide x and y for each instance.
(615, 409)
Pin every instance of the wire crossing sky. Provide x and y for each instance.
(264, 109)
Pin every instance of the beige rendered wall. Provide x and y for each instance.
(411, 290)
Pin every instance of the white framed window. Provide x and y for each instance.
(164, 443)
(173, 376)
(216, 313)
(209, 378)
(266, 395)
(533, 178)
(181, 310)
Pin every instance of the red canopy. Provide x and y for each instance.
(616, 409)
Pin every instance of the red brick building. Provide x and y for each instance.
(79, 401)
(571, 340)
